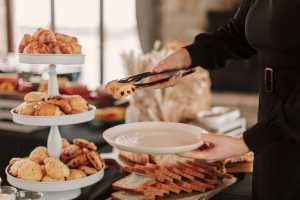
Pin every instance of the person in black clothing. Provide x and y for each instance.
(271, 30)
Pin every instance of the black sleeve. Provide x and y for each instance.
(283, 125)
(212, 50)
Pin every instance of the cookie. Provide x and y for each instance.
(62, 103)
(39, 154)
(88, 170)
(56, 169)
(85, 144)
(95, 160)
(30, 170)
(35, 96)
(77, 161)
(65, 143)
(76, 174)
(70, 152)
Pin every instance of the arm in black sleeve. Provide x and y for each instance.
(212, 50)
(283, 125)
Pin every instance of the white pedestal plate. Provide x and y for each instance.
(63, 190)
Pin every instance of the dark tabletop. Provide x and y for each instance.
(14, 144)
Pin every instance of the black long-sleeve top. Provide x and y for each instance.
(258, 26)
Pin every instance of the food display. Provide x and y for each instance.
(44, 41)
(78, 160)
(110, 113)
(165, 177)
(41, 104)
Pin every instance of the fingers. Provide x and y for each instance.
(173, 81)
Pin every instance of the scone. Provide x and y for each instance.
(35, 96)
(39, 154)
(13, 169)
(56, 169)
(119, 90)
(76, 174)
(77, 103)
(30, 170)
(85, 144)
(46, 109)
(26, 108)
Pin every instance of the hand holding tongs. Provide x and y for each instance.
(135, 79)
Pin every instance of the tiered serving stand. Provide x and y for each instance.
(62, 190)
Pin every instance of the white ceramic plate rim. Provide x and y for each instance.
(54, 186)
(110, 134)
(54, 120)
(65, 59)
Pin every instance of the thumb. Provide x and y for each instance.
(200, 155)
(162, 66)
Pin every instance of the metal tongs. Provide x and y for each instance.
(135, 79)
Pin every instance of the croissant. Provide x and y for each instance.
(65, 38)
(44, 36)
(24, 42)
(36, 47)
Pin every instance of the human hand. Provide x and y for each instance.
(179, 59)
(220, 147)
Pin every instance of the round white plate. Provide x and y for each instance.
(154, 137)
(64, 59)
(54, 120)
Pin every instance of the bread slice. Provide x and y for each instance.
(122, 195)
(242, 167)
(133, 183)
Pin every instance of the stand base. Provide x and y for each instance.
(66, 195)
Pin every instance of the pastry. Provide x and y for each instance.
(39, 154)
(119, 90)
(30, 170)
(14, 160)
(49, 179)
(76, 174)
(95, 160)
(70, 152)
(88, 170)
(77, 161)
(36, 47)
(56, 169)
(44, 36)
(77, 103)
(85, 144)
(60, 47)
(46, 109)
(65, 143)
(26, 108)
(62, 103)
(24, 42)
(13, 170)
(65, 38)
(35, 96)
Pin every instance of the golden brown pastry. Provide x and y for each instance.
(46, 109)
(14, 160)
(35, 96)
(88, 170)
(30, 170)
(95, 160)
(26, 108)
(13, 170)
(39, 154)
(119, 90)
(49, 179)
(75, 174)
(65, 38)
(77, 103)
(44, 36)
(77, 161)
(56, 169)
(61, 102)
(60, 47)
(70, 152)
(85, 144)
(24, 42)
(36, 47)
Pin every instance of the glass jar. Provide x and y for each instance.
(28, 195)
(7, 193)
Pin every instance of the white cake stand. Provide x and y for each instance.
(63, 190)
